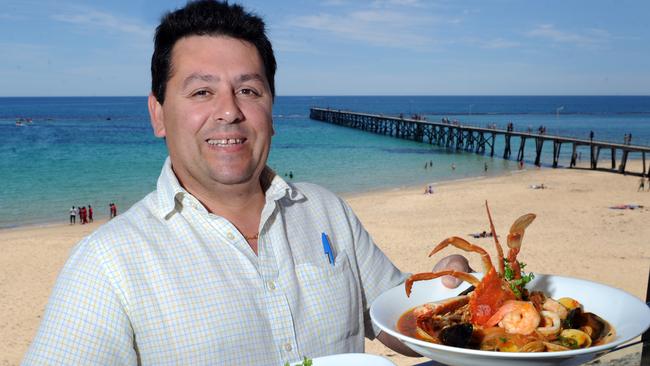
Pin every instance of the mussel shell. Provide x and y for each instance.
(458, 335)
(572, 320)
(596, 327)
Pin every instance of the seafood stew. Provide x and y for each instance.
(500, 314)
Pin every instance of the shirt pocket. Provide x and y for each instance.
(330, 300)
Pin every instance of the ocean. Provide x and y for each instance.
(80, 151)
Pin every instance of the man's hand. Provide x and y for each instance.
(456, 262)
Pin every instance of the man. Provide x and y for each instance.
(73, 215)
(90, 213)
(223, 263)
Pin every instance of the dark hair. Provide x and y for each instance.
(212, 18)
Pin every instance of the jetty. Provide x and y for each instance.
(481, 140)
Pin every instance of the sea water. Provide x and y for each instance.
(80, 151)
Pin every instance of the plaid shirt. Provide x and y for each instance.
(169, 283)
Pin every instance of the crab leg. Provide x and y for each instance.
(463, 244)
(496, 240)
(514, 240)
(431, 275)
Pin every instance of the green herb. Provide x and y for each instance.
(503, 339)
(518, 284)
(305, 362)
(568, 342)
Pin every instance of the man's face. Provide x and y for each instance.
(217, 113)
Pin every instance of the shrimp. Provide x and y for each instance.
(552, 323)
(556, 307)
(517, 317)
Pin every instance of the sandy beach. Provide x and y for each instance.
(575, 234)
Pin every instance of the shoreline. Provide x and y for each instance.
(575, 234)
(636, 162)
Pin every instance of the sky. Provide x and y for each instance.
(347, 47)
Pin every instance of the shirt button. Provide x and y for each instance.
(287, 347)
(230, 236)
(271, 286)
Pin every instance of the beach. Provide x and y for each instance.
(576, 233)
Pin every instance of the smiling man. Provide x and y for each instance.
(216, 118)
(225, 262)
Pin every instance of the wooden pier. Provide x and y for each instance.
(481, 140)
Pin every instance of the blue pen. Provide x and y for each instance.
(328, 248)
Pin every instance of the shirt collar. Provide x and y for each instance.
(171, 195)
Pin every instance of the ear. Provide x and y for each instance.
(157, 116)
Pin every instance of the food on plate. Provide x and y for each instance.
(497, 313)
(305, 362)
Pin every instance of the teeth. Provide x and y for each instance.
(226, 142)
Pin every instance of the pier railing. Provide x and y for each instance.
(481, 140)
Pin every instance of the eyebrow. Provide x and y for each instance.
(249, 77)
(212, 78)
(196, 76)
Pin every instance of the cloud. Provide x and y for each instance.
(399, 3)
(589, 37)
(499, 43)
(104, 21)
(374, 26)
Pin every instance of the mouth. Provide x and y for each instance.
(226, 142)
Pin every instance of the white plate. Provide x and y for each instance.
(350, 359)
(629, 316)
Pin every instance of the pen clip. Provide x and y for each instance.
(327, 247)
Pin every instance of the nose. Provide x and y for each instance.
(226, 109)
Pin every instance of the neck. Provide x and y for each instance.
(240, 204)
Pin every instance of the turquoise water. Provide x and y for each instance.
(81, 151)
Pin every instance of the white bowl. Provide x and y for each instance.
(629, 316)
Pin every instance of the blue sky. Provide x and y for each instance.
(347, 47)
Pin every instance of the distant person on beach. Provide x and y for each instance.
(591, 136)
(225, 263)
(641, 184)
(453, 166)
(82, 214)
(112, 210)
(73, 215)
(485, 167)
(90, 213)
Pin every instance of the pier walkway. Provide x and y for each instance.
(481, 140)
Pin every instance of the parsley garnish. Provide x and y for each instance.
(305, 362)
(516, 284)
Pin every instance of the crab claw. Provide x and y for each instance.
(408, 285)
(463, 244)
(514, 241)
(517, 230)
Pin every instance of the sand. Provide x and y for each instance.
(575, 234)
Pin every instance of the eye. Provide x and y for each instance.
(200, 93)
(249, 92)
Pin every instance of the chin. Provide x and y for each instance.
(232, 178)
